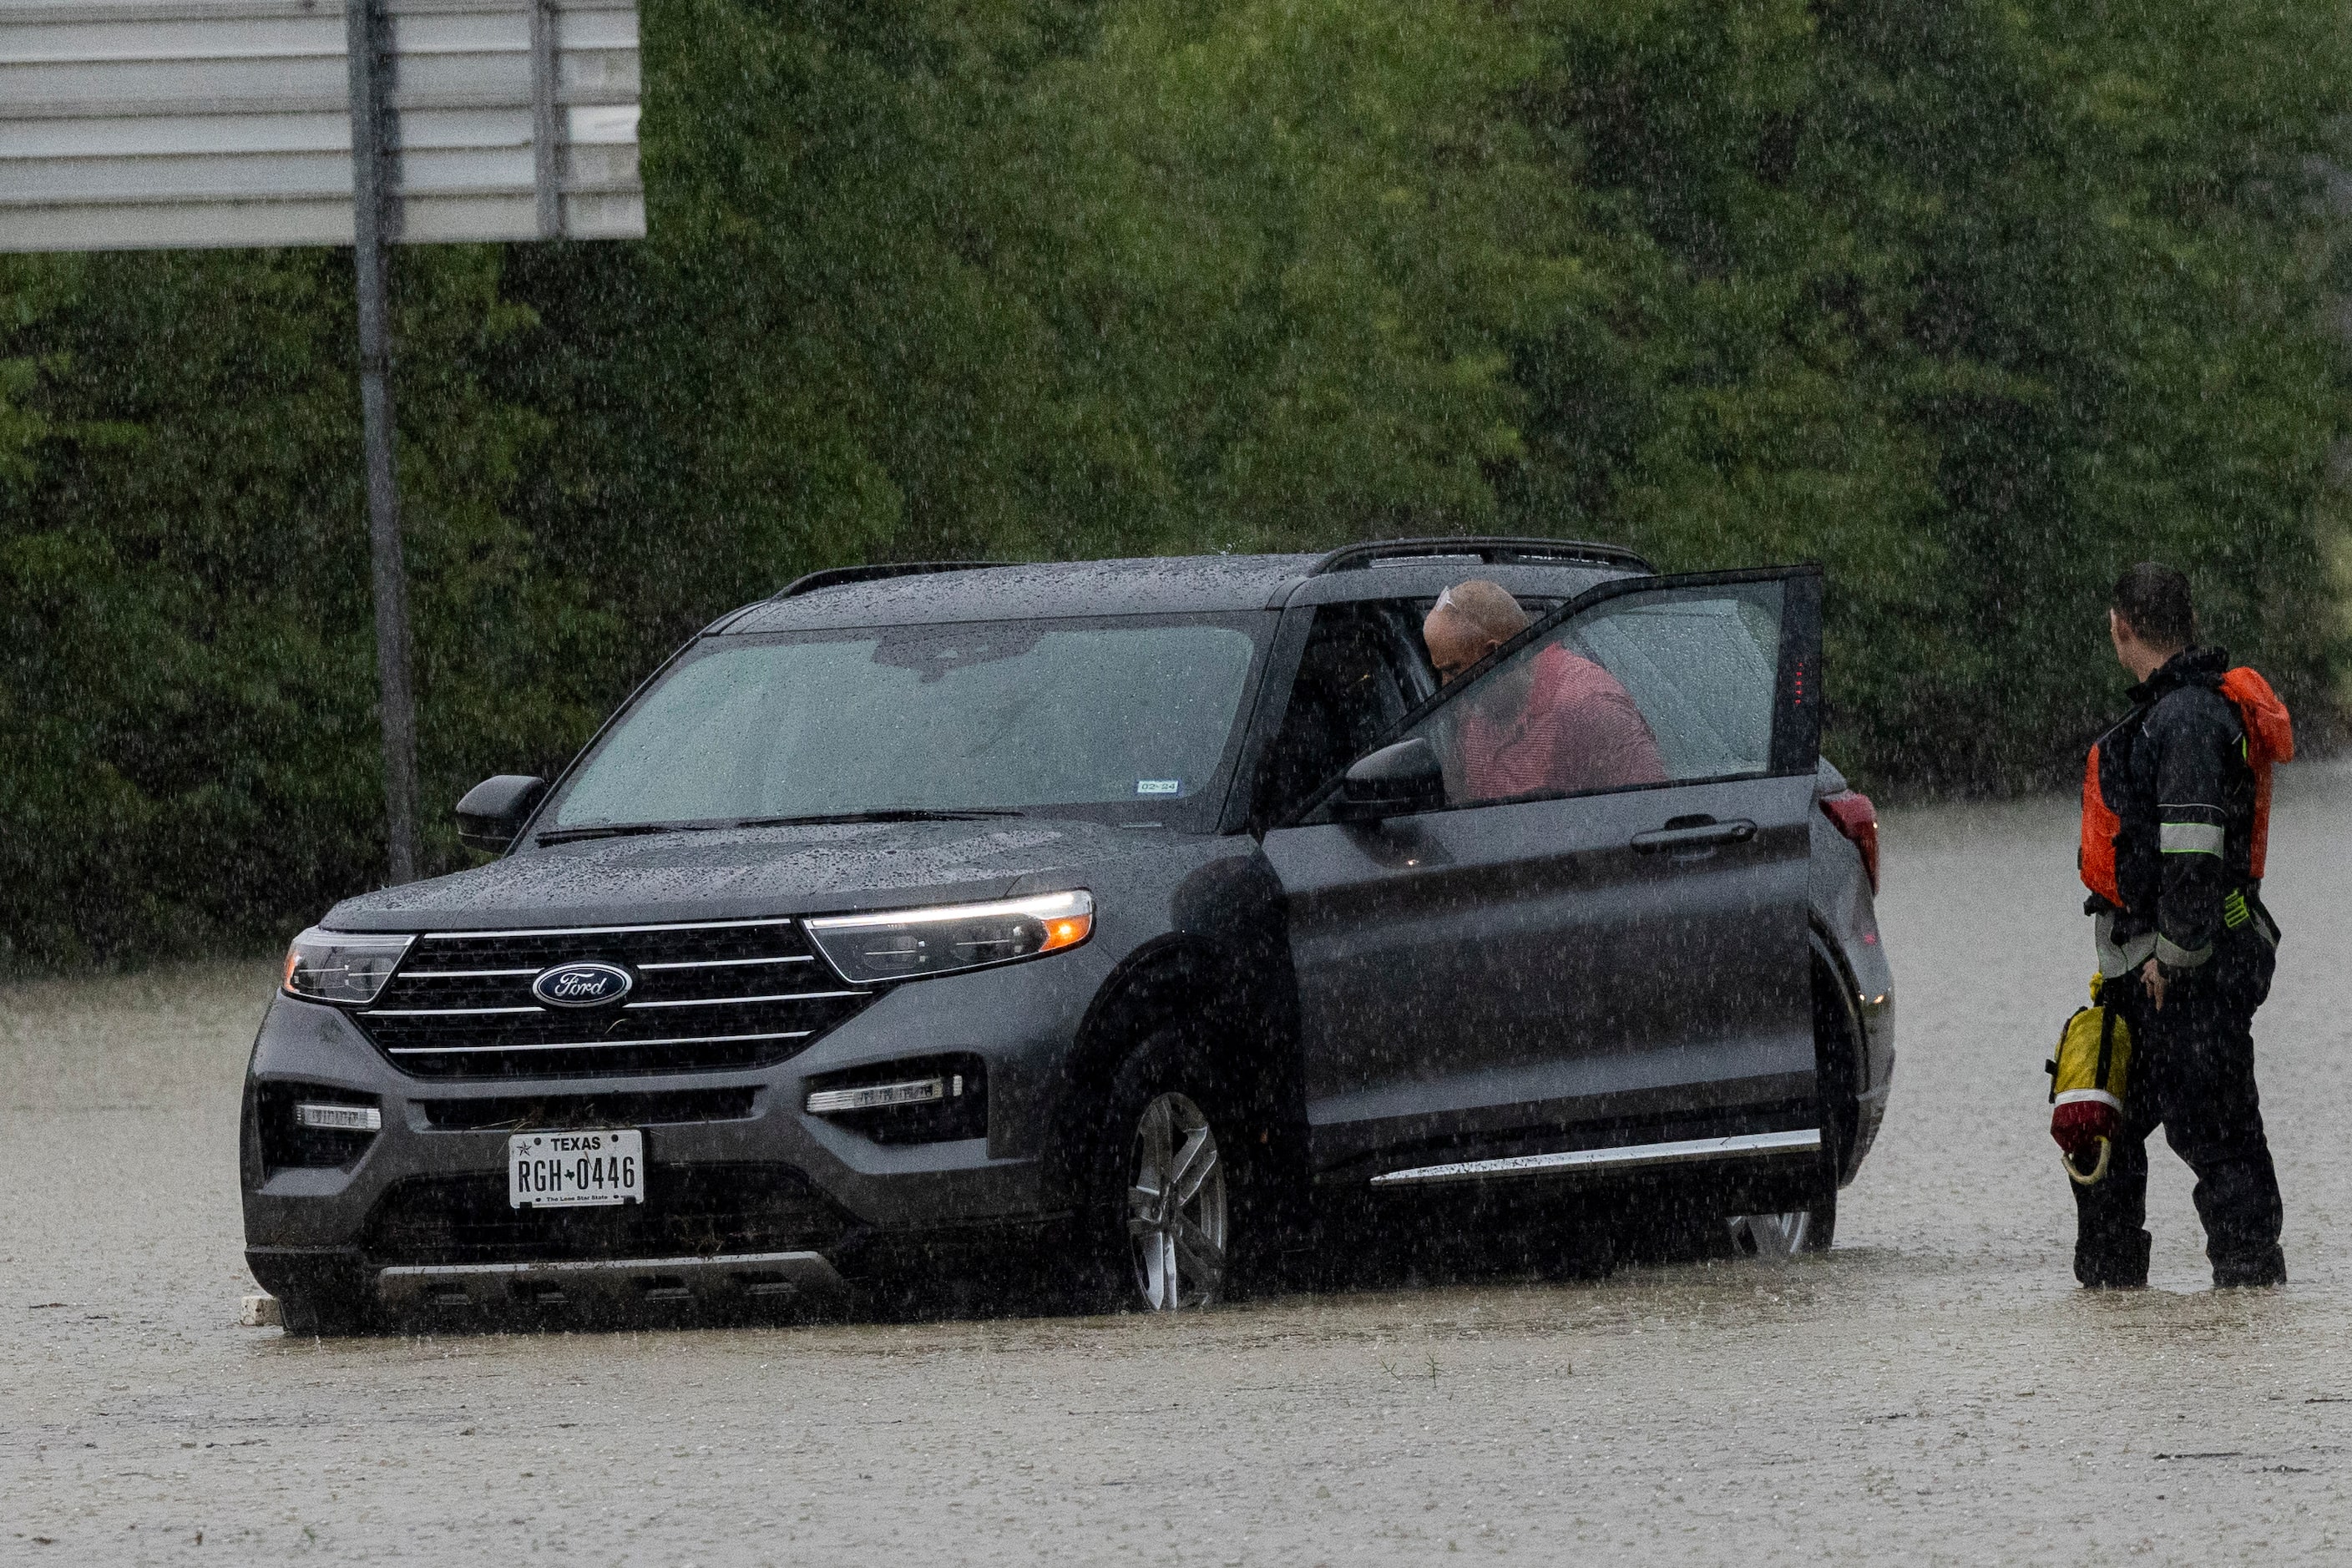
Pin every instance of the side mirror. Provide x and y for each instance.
(1394, 781)
(494, 810)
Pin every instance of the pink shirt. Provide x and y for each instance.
(1577, 730)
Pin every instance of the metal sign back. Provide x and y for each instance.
(138, 123)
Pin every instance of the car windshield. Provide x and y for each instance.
(1129, 719)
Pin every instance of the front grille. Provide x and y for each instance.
(736, 993)
(690, 1211)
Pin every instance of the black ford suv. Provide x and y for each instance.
(1141, 908)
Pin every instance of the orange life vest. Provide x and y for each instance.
(2270, 740)
(2100, 824)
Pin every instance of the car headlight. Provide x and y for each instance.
(342, 966)
(907, 945)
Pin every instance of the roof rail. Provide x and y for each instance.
(835, 576)
(1494, 550)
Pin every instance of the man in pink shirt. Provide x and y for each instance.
(1555, 722)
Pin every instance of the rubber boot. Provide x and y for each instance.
(2120, 1264)
(2259, 1272)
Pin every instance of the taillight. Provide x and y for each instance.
(1858, 819)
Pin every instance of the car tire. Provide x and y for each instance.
(325, 1312)
(1164, 1186)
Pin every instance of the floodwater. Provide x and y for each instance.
(1934, 1390)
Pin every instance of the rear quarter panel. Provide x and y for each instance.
(1843, 911)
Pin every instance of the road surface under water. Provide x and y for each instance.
(1934, 1390)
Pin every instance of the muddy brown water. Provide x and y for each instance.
(1933, 1389)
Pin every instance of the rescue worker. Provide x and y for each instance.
(2175, 811)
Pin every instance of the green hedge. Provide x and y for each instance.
(1976, 304)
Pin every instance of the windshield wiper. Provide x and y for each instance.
(894, 814)
(613, 830)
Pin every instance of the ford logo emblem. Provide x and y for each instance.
(587, 984)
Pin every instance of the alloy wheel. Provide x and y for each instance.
(1176, 1217)
(1772, 1235)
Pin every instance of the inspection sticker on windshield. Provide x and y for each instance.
(575, 1170)
(1159, 786)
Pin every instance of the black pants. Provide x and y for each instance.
(2192, 1071)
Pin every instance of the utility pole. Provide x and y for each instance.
(375, 191)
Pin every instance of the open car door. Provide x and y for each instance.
(1591, 952)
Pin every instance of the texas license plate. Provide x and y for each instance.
(575, 1170)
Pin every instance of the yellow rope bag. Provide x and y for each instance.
(2086, 1087)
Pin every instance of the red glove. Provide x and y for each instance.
(2079, 1124)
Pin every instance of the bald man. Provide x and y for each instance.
(1556, 722)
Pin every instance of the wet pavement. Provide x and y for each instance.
(1933, 1389)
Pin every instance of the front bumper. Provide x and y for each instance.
(427, 1193)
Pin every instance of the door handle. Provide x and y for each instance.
(1693, 833)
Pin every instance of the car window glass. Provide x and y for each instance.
(1014, 715)
(1355, 681)
(1644, 688)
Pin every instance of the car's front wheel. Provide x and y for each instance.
(1162, 1185)
(1177, 1218)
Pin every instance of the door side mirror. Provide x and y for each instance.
(1395, 780)
(494, 810)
